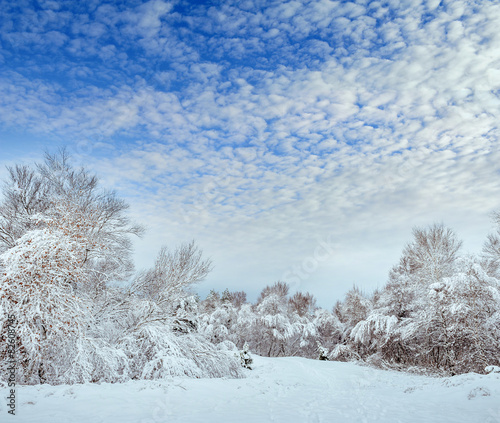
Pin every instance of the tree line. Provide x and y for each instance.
(82, 314)
(439, 311)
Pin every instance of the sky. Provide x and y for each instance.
(292, 140)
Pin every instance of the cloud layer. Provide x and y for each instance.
(263, 128)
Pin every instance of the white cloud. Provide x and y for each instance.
(258, 130)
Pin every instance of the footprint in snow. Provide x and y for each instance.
(480, 391)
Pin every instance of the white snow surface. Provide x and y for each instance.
(276, 390)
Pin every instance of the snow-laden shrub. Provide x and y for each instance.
(245, 357)
(344, 353)
(377, 360)
(322, 352)
(155, 352)
(216, 326)
(227, 346)
(95, 360)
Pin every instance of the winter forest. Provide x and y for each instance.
(84, 315)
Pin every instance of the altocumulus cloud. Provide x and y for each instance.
(263, 128)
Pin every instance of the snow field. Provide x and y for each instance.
(288, 390)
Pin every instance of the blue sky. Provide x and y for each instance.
(296, 140)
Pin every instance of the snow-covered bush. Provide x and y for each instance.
(322, 352)
(217, 325)
(245, 357)
(155, 351)
(343, 352)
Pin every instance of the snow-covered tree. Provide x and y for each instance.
(24, 195)
(491, 250)
(32, 191)
(280, 289)
(437, 311)
(463, 326)
(302, 303)
(217, 325)
(238, 298)
(328, 328)
(163, 330)
(173, 274)
(245, 329)
(432, 253)
(278, 329)
(355, 307)
(59, 251)
(39, 286)
(273, 325)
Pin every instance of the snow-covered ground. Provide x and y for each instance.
(277, 390)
